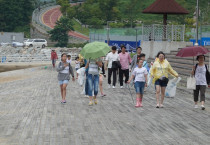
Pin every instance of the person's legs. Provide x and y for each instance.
(114, 76)
(90, 88)
(137, 100)
(53, 62)
(121, 77)
(196, 93)
(163, 89)
(157, 94)
(61, 87)
(109, 75)
(96, 82)
(86, 84)
(64, 91)
(137, 87)
(202, 96)
(126, 72)
(142, 84)
(100, 84)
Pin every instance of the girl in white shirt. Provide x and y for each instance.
(202, 80)
(140, 75)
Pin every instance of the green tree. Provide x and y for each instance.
(131, 11)
(60, 31)
(15, 14)
(110, 9)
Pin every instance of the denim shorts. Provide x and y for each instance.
(160, 83)
(139, 86)
(63, 82)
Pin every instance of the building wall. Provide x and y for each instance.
(9, 37)
(151, 48)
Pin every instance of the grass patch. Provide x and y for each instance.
(77, 27)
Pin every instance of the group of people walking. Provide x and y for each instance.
(138, 68)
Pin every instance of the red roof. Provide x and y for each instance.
(165, 7)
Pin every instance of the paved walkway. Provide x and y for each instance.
(31, 114)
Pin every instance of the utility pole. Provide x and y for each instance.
(197, 11)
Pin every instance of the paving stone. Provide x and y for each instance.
(31, 113)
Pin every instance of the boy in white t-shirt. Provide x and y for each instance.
(77, 63)
(140, 75)
(68, 58)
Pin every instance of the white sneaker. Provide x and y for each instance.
(196, 106)
(121, 87)
(109, 86)
(113, 87)
(86, 96)
(202, 107)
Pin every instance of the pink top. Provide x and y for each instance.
(125, 60)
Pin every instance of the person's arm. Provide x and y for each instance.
(145, 75)
(145, 80)
(118, 57)
(71, 71)
(133, 62)
(60, 67)
(153, 69)
(171, 71)
(131, 78)
(87, 65)
(129, 58)
(99, 63)
(106, 63)
(193, 71)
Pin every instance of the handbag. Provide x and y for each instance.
(116, 64)
(191, 83)
(163, 78)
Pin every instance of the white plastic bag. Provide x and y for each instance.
(81, 76)
(149, 80)
(171, 87)
(191, 83)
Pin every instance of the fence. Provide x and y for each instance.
(36, 20)
(145, 32)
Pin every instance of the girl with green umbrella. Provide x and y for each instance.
(93, 79)
(93, 52)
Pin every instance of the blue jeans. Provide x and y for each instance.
(139, 86)
(93, 82)
(86, 83)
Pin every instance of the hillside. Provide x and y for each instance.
(98, 12)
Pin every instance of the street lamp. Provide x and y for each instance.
(197, 11)
(108, 31)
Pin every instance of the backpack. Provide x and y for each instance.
(207, 73)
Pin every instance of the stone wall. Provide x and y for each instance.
(151, 48)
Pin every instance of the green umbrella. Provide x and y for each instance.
(95, 50)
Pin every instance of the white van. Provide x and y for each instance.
(36, 42)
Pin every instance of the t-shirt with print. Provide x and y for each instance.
(93, 67)
(68, 60)
(200, 75)
(139, 74)
(112, 57)
(77, 64)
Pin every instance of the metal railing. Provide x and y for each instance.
(145, 32)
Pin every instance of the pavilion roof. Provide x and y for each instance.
(165, 7)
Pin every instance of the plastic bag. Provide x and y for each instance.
(81, 76)
(171, 87)
(191, 83)
(149, 80)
